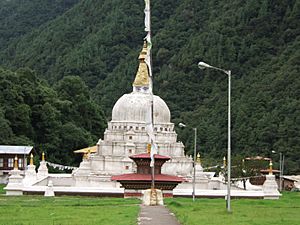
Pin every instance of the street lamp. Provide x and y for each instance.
(203, 65)
(281, 166)
(194, 161)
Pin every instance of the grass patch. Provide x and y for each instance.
(1, 189)
(286, 211)
(67, 210)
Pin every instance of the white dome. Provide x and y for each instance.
(135, 107)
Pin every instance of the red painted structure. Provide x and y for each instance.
(134, 183)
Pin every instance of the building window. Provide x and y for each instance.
(1, 162)
(136, 128)
(129, 151)
(10, 162)
(143, 128)
(130, 127)
(126, 167)
(161, 129)
(166, 129)
(20, 163)
(130, 137)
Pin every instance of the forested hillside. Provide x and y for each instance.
(19, 17)
(55, 120)
(99, 41)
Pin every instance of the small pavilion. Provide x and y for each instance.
(135, 183)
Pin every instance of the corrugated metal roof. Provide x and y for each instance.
(9, 149)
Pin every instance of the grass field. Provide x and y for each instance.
(1, 189)
(285, 211)
(67, 210)
(41, 210)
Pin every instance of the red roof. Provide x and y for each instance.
(147, 156)
(146, 177)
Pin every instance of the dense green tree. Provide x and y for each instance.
(24, 16)
(55, 121)
(6, 131)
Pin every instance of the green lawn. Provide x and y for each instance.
(1, 189)
(285, 211)
(67, 210)
(109, 211)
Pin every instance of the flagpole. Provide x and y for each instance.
(152, 106)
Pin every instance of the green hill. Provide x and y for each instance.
(257, 39)
(18, 17)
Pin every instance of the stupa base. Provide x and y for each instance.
(153, 197)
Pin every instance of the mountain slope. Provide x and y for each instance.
(258, 40)
(18, 18)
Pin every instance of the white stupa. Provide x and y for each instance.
(126, 135)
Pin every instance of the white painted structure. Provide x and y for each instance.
(126, 135)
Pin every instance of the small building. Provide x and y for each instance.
(289, 182)
(7, 156)
(135, 183)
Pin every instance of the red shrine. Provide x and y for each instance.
(134, 183)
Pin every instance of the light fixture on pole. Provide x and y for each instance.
(203, 65)
(194, 160)
(181, 125)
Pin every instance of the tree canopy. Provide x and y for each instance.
(54, 120)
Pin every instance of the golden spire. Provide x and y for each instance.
(142, 75)
(224, 162)
(271, 168)
(16, 163)
(198, 158)
(43, 156)
(31, 159)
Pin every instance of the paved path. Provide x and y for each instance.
(156, 215)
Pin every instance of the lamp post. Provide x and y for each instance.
(203, 65)
(281, 170)
(194, 160)
(281, 166)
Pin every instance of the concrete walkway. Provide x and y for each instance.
(156, 215)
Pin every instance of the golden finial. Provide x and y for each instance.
(224, 161)
(148, 148)
(142, 75)
(198, 158)
(16, 163)
(271, 168)
(31, 159)
(43, 156)
(144, 51)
